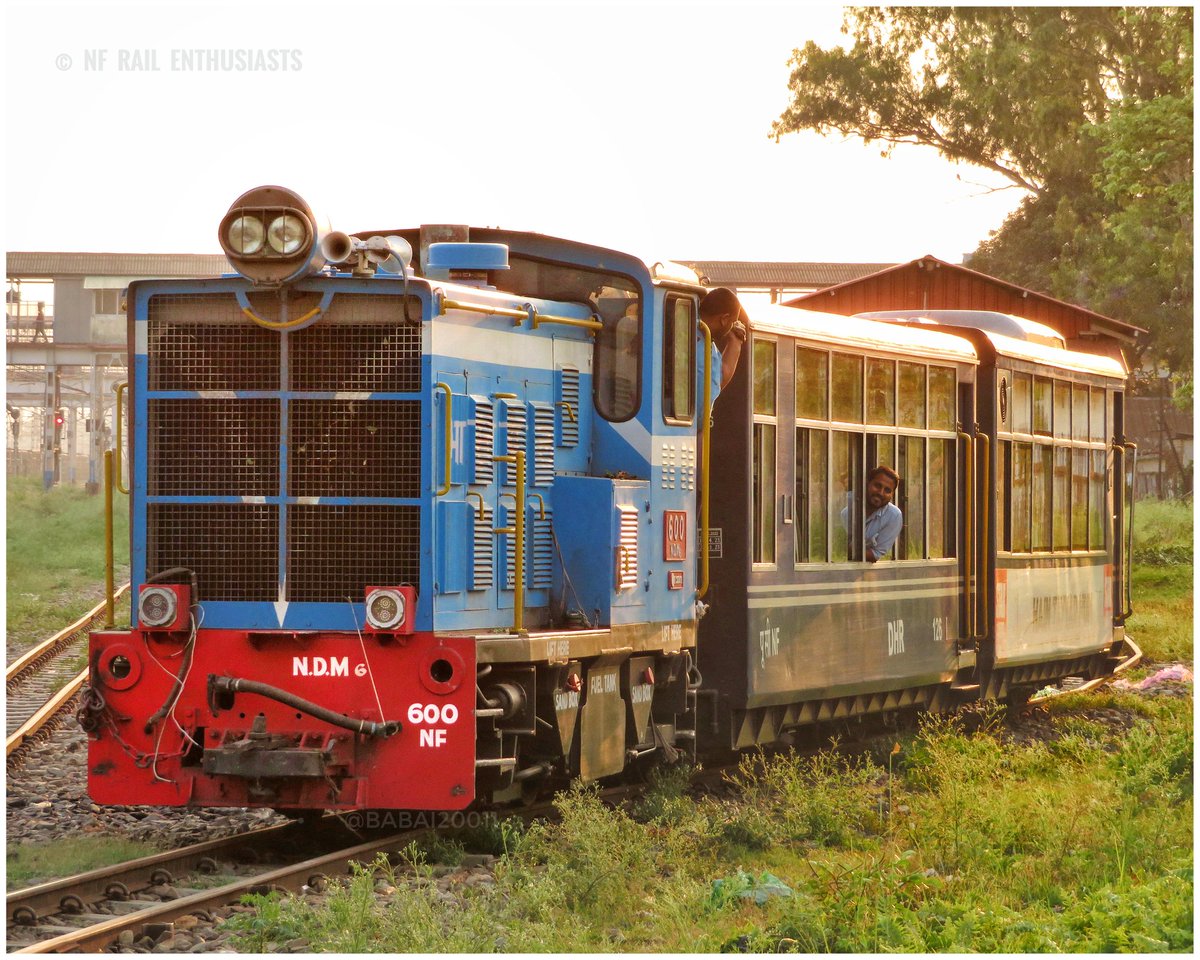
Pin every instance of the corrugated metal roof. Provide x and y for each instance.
(1081, 317)
(46, 264)
(747, 273)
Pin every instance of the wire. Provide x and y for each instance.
(366, 659)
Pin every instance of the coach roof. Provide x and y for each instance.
(835, 330)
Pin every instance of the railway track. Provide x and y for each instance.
(88, 912)
(42, 682)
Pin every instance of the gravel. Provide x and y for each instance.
(47, 800)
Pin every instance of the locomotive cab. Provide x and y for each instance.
(434, 504)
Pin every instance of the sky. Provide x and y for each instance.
(640, 126)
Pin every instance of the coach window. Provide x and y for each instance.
(910, 498)
(812, 495)
(1043, 405)
(812, 384)
(912, 394)
(943, 414)
(1096, 430)
(942, 515)
(1061, 494)
(679, 360)
(1020, 416)
(1079, 411)
(1079, 499)
(881, 391)
(1043, 471)
(1022, 466)
(764, 451)
(1003, 494)
(1062, 410)
(847, 388)
(881, 449)
(1097, 500)
(846, 504)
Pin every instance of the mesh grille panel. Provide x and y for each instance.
(213, 448)
(355, 448)
(362, 343)
(232, 547)
(337, 551)
(205, 342)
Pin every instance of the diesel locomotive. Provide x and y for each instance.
(428, 516)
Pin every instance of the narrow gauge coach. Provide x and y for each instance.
(415, 535)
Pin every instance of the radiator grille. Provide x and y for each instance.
(362, 344)
(336, 551)
(205, 342)
(213, 447)
(355, 448)
(221, 445)
(232, 547)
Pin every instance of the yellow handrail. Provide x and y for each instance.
(449, 426)
(969, 546)
(119, 417)
(531, 314)
(109, 578)
(705, 430)
(517, 530)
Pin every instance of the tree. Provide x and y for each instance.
(1088, 110)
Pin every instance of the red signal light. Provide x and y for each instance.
(59, 419)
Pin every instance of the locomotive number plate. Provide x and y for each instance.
(674, 535)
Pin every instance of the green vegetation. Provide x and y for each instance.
(1162, 580)
(1086, 109)
(56, 556)
(30, 863)
(1078, 842)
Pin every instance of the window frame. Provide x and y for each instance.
(671, 361)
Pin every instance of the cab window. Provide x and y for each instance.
(679, 360)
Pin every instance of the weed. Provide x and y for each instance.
(29, 863)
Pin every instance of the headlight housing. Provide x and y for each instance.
(271, 236)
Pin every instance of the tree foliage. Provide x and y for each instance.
(1088, 110)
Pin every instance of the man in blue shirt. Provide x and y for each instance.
(885, 518)
(729, 325)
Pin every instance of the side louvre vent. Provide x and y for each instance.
(485, 441)
(543, 444)
(483, 565)
(627, 549)
(516, 429)
(541, 574)
(568, 423)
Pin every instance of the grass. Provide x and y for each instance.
(1078, 843)
(30, 863)
(56, 556)
(960, 841)
(1162, 580)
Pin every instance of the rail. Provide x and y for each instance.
(44, 714)
(30, 659)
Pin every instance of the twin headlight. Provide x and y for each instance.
(271, 236)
